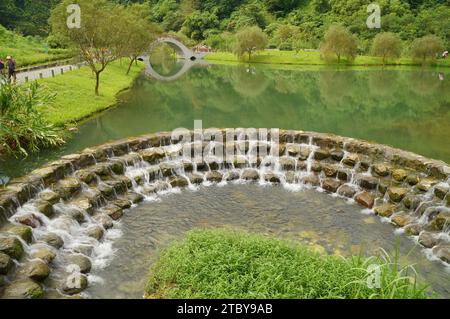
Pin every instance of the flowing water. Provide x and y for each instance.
(409, 109)
(328, 224)
(405, 108)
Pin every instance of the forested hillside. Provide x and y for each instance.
(203, 20)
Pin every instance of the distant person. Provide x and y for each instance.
(2, 67)
(441, 76)
(445, 55)
(11, 63)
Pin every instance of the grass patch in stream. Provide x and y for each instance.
(222, 263)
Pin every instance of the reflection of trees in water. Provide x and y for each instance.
(424, 82)
(384, 83)
(248, 81)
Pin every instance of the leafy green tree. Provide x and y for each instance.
(249, 40)
(197, 23)
(340, 42)
(426, 48)
(139, 32)
(387, 45)
(101, 39)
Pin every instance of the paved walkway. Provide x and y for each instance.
(26, 76)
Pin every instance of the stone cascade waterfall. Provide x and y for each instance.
(60, 221)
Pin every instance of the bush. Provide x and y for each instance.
(229, 264)
(339, 42)
(426, 48)
(22, 126)
(286, 46)
(387, 45)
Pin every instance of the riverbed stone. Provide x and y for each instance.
(442, 251)
(5, 263)
(214, 176)
(178, 181)
(95, 232)
(68, 187)
(331, 185)
(152, 155)
(272, 178)
(412, 179)
(50, 197)
(329, 170)
(11, 246)
(45, 254)
(232, 175)
(441, 190)
(20, 230)
(321, 154)
(399, 175)
(117, 167)
(44, 207)
(75, 284)
(425, 184)
(106, 190)
(396, 194)
(368, 182)
(83, 203)
(411, 201)
(365, 199)
(383, 187)
(316, 167)
(304, 153)
(36, 270)
(385, 210)
(30, 220)
(401, 219)
(86, 176)
(122, 203)
(134, 197)
(287, 163)
(104, 220)
(53, 240)
(343, 175)
(195, 178)
(337, 155)
(23, 289)
(83, 262)
(112, 211)
(428, 239)
(380, 170)
(347, 190)
(250, 175)
(311, 179)
(293, 149)
(413, 229)
(76, 214)
(351, 159)
(440, 221)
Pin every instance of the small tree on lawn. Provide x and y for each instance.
(99, 38)
(249, 40)
(339, 42)
(139, 33)
(426, 48)
(387, 45)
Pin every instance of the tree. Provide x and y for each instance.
(101, 37)
(427, 47)
(139, 33)
(340, 42)
(249, 40)
(197, 23)
(387, 45)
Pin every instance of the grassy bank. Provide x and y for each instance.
(228, 264)
(75, 98)
(310, 58)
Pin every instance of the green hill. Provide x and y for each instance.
(28, 50)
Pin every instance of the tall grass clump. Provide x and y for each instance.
(228, 264)
(23, 128)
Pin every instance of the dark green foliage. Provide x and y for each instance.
(23, 128)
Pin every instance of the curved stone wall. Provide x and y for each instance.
(53, 220)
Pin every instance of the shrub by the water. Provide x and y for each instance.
(23, 128)
(228, 264)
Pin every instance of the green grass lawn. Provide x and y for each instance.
(228, 264)
(75, 97)
(28, 50)
(308, 58)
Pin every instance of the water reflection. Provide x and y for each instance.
(406, 108)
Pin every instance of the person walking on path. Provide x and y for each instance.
(11, 68)
(2, 67)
